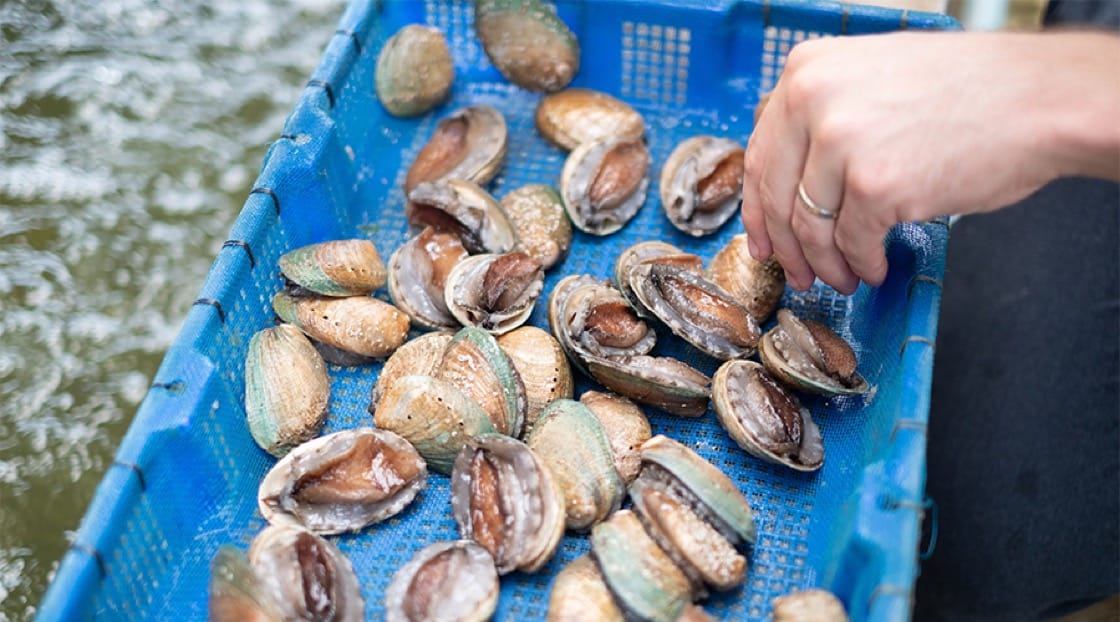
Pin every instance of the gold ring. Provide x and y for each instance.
(812, 206)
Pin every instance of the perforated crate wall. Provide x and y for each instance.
(184, 481)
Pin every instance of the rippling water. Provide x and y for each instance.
(130, 134)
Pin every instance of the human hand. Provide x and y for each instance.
(903, 127)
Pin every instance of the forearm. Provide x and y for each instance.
(1083, 105)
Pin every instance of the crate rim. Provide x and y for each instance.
(84, 565)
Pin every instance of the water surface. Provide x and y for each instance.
(130, 133)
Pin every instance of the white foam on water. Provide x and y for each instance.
(130, 133)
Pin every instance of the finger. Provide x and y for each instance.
(787, 250)
(859, 237)
(775, 158)
(751, 210)
(754, 221)
(758, 241)
(823, 184)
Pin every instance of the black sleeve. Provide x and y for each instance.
(1100, 13)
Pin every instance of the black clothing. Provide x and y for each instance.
(1024, 431)
(1098, 13)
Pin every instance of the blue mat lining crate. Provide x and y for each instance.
(184, 480)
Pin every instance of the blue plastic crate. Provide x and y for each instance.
(185, 478)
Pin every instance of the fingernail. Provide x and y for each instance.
(794, 282)
(753, 249)
(879, 276)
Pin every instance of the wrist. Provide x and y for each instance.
(1083, 124)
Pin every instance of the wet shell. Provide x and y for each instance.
(464, 209)
(334, 268)
(361, 325)
(645, 582)
(650, 251)
(694, 544)
(494, 292)
(589, 317)
(433, 415)
(475, 363)
(696, 310)
(235, 593)
(543, 228)
(602, 336)
(757, 285)
(809, 356)
(659, 381)
(418, 273)
(574, 116)
(626, 427)
(702, 183)
(704, 482)
(307, 575)
(764, 418)
(579, 594)
(420, 355)
(343, 481)
(604, 184)
(570, 440)
(815, 605)
(505, 498)
(414, 71)
(287, 389)
(444, 582)
(527, 43)
(671, 497)
(542, 366)
(468, 144)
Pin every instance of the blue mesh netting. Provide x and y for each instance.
(186, 475)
